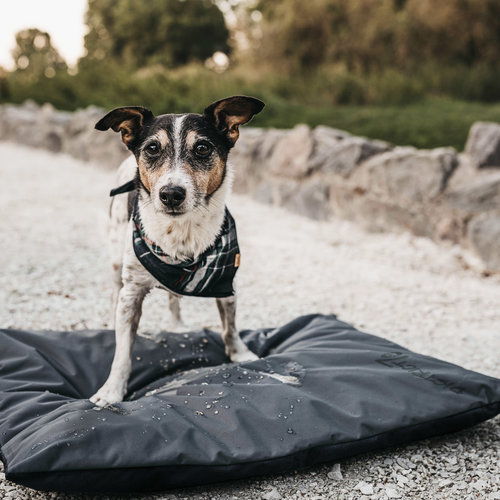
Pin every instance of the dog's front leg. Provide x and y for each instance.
(128, 313)
(236, 349)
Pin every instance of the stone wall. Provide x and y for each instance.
(324, 172)
(62, 132)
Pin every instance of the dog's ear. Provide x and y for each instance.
(128, 120)
(228, 114)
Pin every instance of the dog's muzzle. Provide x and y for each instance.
(172, 196)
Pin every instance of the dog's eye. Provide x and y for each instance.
(203, 149)
(152, 149)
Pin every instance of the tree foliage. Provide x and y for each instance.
(167, 32)
(34, 55)
(296, 54)
(367, 35)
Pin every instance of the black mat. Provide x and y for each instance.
(322, 391)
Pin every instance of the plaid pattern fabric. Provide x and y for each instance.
(210, 275)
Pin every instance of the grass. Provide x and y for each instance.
(429, 123)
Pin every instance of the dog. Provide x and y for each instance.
(173, 229)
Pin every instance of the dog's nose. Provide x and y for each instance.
(172, 196)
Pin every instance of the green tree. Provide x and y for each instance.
(455, 31)
(370, 35)
(168, 32)
(297, 34)
(35, 56)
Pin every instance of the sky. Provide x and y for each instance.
(62, 19)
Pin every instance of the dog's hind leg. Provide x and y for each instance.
(176, 323)
(116, 279)
(236, 349)
(120, 211)
(117, 230)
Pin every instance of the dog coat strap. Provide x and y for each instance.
(210, 275)
(124, 188)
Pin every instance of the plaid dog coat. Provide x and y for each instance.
(210, 275)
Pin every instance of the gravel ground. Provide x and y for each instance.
(55, 276)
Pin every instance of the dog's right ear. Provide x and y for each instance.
(128, 120)
(228, 114)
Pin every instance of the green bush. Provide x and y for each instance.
(391, 105)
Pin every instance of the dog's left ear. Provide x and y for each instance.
(129, 121)
(228, 114)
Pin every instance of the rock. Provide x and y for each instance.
(335, 473)
(59, 131)
(270, 139)
(406, 175)
(449, 227)
(483, 234)
(474, 195)
(342, 156)
(392, 492)
(329, 134)
(479, 485)
(325, 140)
(401, 480)
(365, 488)
(274, 494)
(31, 125)
(483, 144)
(377, 214)
(18, 125)
(446, 483)
(403, 463)
(464, 173)
(85, 143)
(251, 156)
(264, 193)
(291, 154)
(469, 193)
(310, 199)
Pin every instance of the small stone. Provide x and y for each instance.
(479, 485)
(402, 463)
(392, 492)
(446, 483)
(365, 488)
(401, 479)
(335, 473)
(274, 494)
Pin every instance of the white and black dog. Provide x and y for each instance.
(173, 230)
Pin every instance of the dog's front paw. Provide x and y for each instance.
(242, 355)
(107, 395)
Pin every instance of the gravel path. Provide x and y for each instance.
(55, 276)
